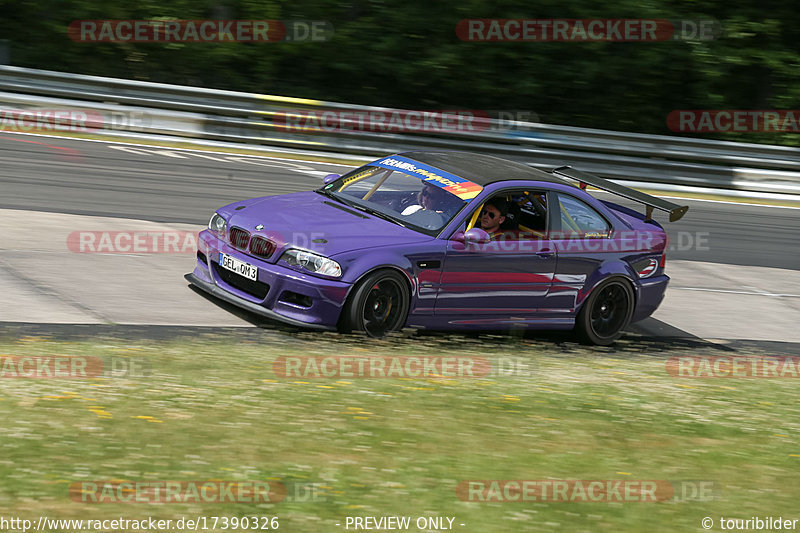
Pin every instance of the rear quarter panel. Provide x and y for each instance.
(584, 263)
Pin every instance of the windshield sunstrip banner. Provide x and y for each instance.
(464, 189)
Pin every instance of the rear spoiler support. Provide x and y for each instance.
(584, 178)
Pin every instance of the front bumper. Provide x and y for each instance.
(284, 294)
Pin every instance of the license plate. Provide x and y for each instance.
(240, 267)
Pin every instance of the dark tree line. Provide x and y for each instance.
(407, 54)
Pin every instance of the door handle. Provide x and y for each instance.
(547, 252)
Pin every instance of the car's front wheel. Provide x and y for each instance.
(378, 304)
(605, 313)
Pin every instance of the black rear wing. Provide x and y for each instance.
(584, 178)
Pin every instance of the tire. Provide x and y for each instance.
(605, 313)
(378, 304)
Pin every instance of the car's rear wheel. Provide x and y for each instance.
(606, 312)
(379, 304)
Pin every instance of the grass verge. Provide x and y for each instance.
(211, 408)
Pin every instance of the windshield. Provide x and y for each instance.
(409, 200)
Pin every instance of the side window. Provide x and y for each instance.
(577, 217)
(526, 214)
(533, 212)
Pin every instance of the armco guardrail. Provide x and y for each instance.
(244, 117)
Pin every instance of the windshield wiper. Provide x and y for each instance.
(354, 205)
(329, 194)
(378, 214)
(339, 199)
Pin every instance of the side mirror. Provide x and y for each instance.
(330, 178)
(476, 236)
(472, 236)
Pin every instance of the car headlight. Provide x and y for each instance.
(218, 225)
(312, 262)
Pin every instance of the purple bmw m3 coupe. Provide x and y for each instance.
(445, 241)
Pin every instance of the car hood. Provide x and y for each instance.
(314, 222)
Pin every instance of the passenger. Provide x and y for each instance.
(493, 216)
(500, 219)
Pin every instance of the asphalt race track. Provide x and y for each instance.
(78, 180)
(93, 178)
(149, 183)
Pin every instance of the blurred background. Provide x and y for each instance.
(408, 55)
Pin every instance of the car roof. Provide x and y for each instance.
(481, 169)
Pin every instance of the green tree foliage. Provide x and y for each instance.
(407, 54)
